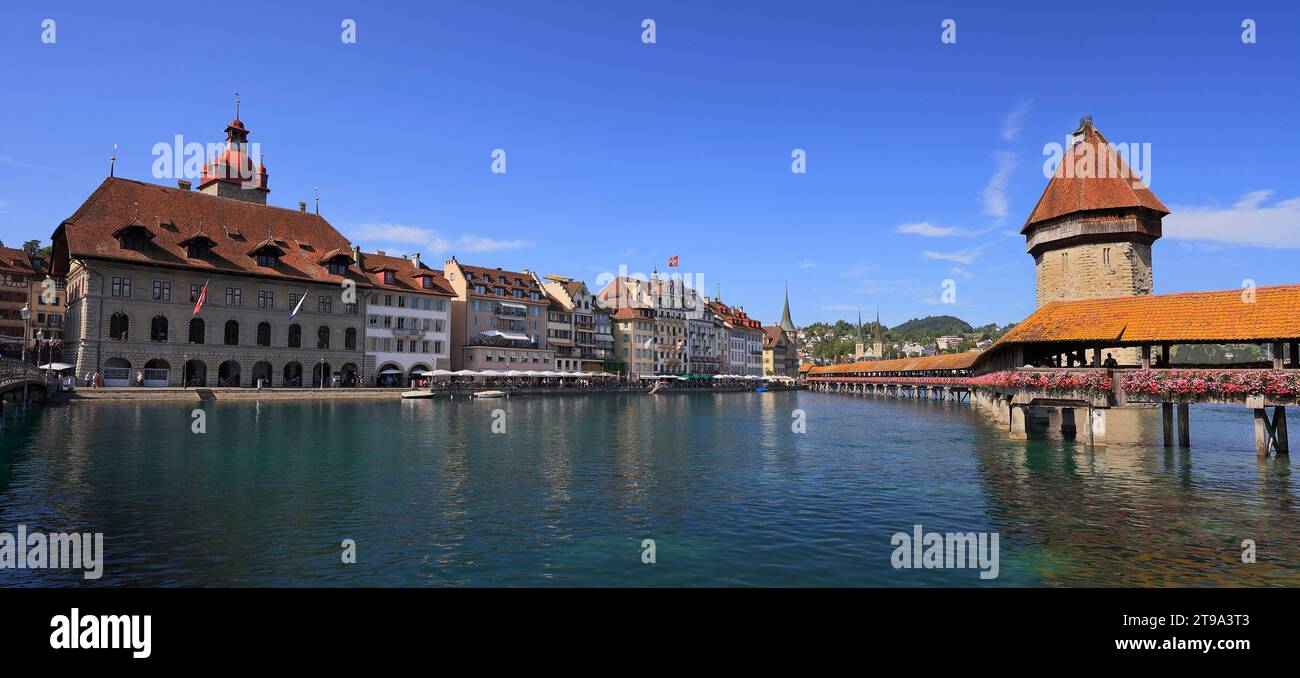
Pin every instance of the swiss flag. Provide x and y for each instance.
(672, 261)
(203, 295)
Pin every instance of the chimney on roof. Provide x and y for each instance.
(415, 260)
(356, 254)
(379, 252)
(183, 184)
(302, 206)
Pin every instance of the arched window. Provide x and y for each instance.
(158, 329)
(295, 337)
(350, 339)
(323, 337)
(232, 333)
(197, 330)
(119, 326)
(264, 334)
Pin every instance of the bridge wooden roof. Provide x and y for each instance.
(1221, 316)
(946, 361)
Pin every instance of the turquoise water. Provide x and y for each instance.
(565, 496)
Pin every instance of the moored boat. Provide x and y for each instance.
(490, 394)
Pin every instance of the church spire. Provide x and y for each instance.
(787, 325)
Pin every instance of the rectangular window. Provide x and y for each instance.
(401, 301)
(374, 320)
(388, 344)
(265, 299)
(234, 296)
(388, 321)
(400, 344)
(325, 303)
(162, 290)
(1105, 256)
(195, 290)
(374, 343)
(121, 286)
(439, 304)
(439, 325)
(294, 298)
(424, 345)
(437, 346)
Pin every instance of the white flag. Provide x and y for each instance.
(299, 306)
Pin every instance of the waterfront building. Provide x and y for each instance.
(559, 336)
(138, 256)
(634, 337)
(780, 345)
(408, 317)
(498, 319)
(704, 332)
(745, 339)
(592, 333)
(47, 296)
(666, 321)
(16, 276)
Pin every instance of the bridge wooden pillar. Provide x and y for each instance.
(1096, 427)
(1167, 419)
(1279, 355)
(1069, 430)
(1184, 426)
(1295, 354)
(1146, 357)
(1164, 355)
(1016, 427)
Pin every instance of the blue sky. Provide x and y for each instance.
(923, 158)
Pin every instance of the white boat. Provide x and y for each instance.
(489, 394)
(408, 395)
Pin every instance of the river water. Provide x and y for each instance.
(568, 490)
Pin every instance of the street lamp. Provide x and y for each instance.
(40, 338)
(26, 314)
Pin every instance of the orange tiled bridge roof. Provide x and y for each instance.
(1225, 316)
(950, 361)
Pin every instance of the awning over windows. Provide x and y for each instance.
(512, 336)
(512, 304)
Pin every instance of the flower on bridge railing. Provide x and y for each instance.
(1090, 380)
(1214, 382)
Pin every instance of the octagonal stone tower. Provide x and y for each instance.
(1091, 232)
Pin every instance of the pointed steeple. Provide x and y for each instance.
(1091, 176)
(859, 324)
(787, 325)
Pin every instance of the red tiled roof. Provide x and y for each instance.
(406, 278)
(15, 261)
(491, 277)
(1223, 316)
(1119, 187)
(176, 215)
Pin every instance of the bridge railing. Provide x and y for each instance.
(16, 371)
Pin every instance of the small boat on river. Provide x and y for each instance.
(490, 394)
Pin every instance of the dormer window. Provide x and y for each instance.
(390, 278)
(426, 281)
(134, 237)
(198, 246)
(267, 253)
(338, 268)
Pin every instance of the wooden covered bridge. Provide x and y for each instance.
(1085, 357)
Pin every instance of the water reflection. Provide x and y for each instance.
(567, 492)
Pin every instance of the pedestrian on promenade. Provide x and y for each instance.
(139, 378)
(1110, 361)
(97, 380)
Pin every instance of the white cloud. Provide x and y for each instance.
(929, 230)
(1014, 122)
(957, 270)
(807, 263)
(1248, 222)
(433, 243)
(995, 191)
(966, 256)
